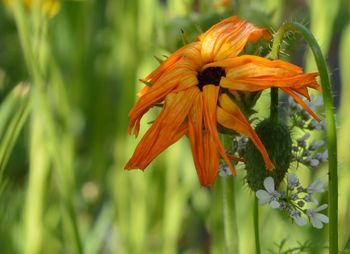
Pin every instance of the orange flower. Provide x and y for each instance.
(194, 83)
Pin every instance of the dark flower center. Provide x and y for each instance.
(211, 75)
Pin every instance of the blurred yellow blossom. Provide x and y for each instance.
(50, 7)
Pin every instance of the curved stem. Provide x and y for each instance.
(330, 128)
(256, 226)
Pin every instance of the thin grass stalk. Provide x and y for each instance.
(330, 124)
(56, 146)
(256, 226)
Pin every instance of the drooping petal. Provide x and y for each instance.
(159, 90)
(210, 100)
(211, 159)
(169, 63)
(230, 116)
(227, 38)
(167, 128)
(301, 103)
(195, 134)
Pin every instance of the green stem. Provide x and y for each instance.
(330, 128)
(229, 214)
(274, 90)
(274, 106)
(256, 226)
(231, 241)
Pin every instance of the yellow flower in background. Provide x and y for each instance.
(50, 7)
(196, 84)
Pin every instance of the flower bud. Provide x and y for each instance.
(278, 143)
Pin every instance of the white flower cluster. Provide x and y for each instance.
(309, 155)
(295, 200)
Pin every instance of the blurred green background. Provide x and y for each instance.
(67, 83)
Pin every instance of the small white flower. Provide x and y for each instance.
(305, 137)
(270, 196)
(324, 156)
(293, 180)
(224, 169)
(316, 144)
(317, 219)
(296, 215)
(314, 162)
(315, 187)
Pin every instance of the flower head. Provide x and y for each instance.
(197, 84)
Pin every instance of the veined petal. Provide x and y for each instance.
(195, 134)
(169, 63)
(211, 159)
(228, 38)
(156, 93)
(210, 100)
(167, 128)
(230, 116)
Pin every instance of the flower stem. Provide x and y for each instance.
(330, 126)
(256, 226)
(274, 106)
(229, 214)
(231, 241)
(274, 90)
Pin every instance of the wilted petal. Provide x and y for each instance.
(227, 38)
(230, 116)
(166, 129)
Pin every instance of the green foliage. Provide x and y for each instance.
(66, 86)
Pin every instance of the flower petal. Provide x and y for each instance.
(210, 100)
(156, 93)
(292, 178)
(269, 184)
(167, 128)
(274, 204)
(321, 208)
(322, 217)
(195, 134)
(228, 37)
(316, 223)
(299, 220)
(230, 116)
(263, 196)
(316, 187)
